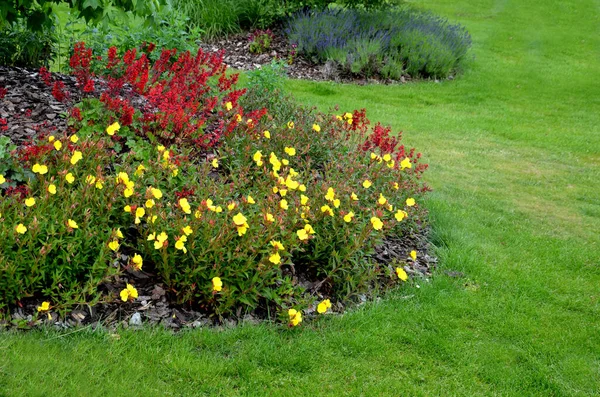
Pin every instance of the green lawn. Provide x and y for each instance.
(514, 151)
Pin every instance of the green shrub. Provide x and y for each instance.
(20, 46)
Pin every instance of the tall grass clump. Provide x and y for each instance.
(388, 43)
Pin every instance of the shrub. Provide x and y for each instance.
(22, 47)
(385, 43)
(239, 226)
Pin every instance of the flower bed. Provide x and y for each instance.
(230, 210)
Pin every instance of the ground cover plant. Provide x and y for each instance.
(513, 151)
(229, 208)
(388, 43)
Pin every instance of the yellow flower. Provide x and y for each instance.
(396, 186)
(316, 128)
(302, 234)
(215, 163)
(2, 179)
(57, 145)
(99, 184)
(149, 203)
(217, 284)
(39, 169)
(283, 204)
(302, 188)
(250, 200)
(129, 293)
(139, 170)
(123, 178)
(327, 209)
(413, 255)
(290, 124)
(290, 151)
(387, 157)
(330, 194)
(140, 212)
(160, 240)
(354, 197)
(111, 129)
(239, 219)
(52, 188)
(30, 202)
(374, 156)
(410, 201)
(185, 206)
(20, 228)
(72, 224)
(70, 178)
(74, 138)
(228, 105)
(44, 307)
(337, 116)
(405, 163)
(399, 215)
(377, 223)
(267, 134)
(114, 245)
(275, 162)
(295, 317)
(382, 200)
(197, 214)
(277, 244)
(283, 192)
(275, 258)
(391, 164)
(187, 230)
(257, 157)
(128, 192)
(156, 193)
(90, 179)
(401, 274)
(336, 203)
(76, 157)
(323, 306)
(127, 208)
(51, 138)
(367, 184)
(303, 199)
(151, 237)
(269, 217)
(153, 219)
(348, 217)
(119, 233)
(180, 244)
(137, 261)
(347, 115)
(231, 206)
(249, 122)
(309, 229)
(238, 117)
(160, 148)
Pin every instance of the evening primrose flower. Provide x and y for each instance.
(156, 193)
(327, 210)
(70, 178)
(228, 105)
(401, 274)
(51, 138)
(119, 233)
(99, 184)
(323, 306)
(159, 241)
(127, 208)
(72, 224)
(185, 205)
(160, 148)
(413, 255)
(137, 262)
(44, 307)
(180, 244)
(303, 199)
(114, 245)
(128, 293)
(302, 187)
(387, 157)
(215, 163)
(21, 229)
(267, 134)
(290, 151)
(290, 124)
(391, 164)
(231, 206)
(330, 194)
(382, 200)
(250, 200)
(399, 215)
(277, 244)
(128, 192)
(30, 202)
(77, 155)
(52, 188)
(187, 230)
(57, 145)
(282, 192)
(275, 162)
(410, 201)
(257, 157)
(405, 163)
(139, 171)
(275, 258)
(377, 223)
(149, 203)
(396, 186)
(269, 217)
(354, 197)
(295, 317)
(240, 223)
(2, 179)
(284, 204)
(74, 138)
(139, 213)
(39, 169)
(304, 234)
(217, 284)
(316, 128)
(90, 179)
(238, 117)
(348, 217)
(114, 127)
(367, 184)
(336, 203)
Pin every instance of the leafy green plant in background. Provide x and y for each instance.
(20, 46)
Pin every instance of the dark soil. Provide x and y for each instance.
(30, 109)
